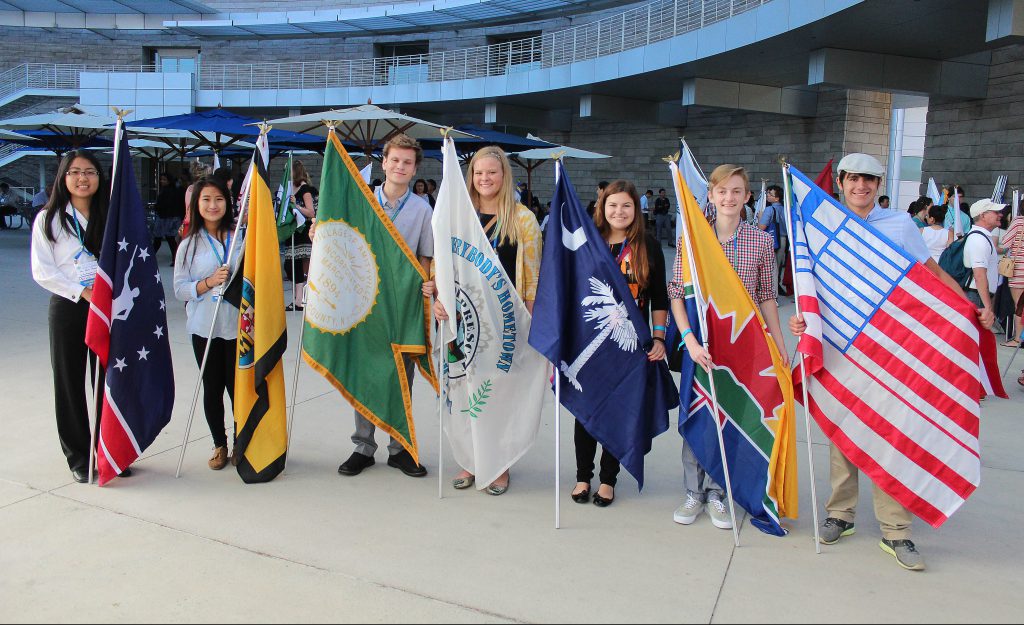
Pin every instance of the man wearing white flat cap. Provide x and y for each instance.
(860, 176)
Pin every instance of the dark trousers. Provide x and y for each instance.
(69, 357)
(586, 448)
(218, 376)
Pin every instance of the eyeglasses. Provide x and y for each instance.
(77, 173)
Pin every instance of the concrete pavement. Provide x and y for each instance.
(316, 546)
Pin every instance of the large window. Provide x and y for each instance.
(175, 59)
(508, 54)
(402, 63)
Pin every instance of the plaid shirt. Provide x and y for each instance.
(752, 254)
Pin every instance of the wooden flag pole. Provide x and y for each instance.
(803, 369)
(702, 321)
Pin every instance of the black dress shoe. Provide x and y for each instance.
(355, 464)
(126, 473)
(80, 475)
(403, 462)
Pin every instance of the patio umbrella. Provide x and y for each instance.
(14, 137)
(367, 128)
(220, 128)
(483, 137)
(533, 158)
(65, 129)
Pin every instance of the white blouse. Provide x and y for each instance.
(190, 270)
(53, 262)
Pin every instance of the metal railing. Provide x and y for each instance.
(631, 29)
(63, 76)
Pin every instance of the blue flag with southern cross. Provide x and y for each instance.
(587, 323)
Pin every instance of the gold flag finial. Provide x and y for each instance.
(121, 113)
(673, 158)
(331, 124)
(559, 155)
(446, 132)
(783, 160)
(264, 127)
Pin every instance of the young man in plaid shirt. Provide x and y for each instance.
(751, 252)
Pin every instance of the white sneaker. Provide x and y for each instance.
(689, 511)
(718, 512)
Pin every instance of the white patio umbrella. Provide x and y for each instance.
(367, 127)
(532, 159)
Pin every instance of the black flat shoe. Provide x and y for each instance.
(126, 473)
(80, 475)
(601, 502)
(355, 464)
(293, 307)
(581, 497)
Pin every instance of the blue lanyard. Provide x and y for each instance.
(227, 244)
(78, 233)
(401, 203)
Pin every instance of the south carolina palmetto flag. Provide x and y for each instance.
(496, 382)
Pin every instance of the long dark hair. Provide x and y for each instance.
(636, 235)
(60, 197)
(196, 223)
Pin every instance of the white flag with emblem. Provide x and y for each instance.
(496, 382)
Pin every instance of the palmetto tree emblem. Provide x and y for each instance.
(612, 320)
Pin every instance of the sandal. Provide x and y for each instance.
(1020, 380)
(1011, 343)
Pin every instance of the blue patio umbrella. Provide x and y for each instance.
(220, 128)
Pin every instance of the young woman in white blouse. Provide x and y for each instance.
(200, 270)
(66, 240)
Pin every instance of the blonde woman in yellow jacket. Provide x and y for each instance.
(516, 238)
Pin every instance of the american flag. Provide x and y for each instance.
(127, 329)
(895, 355)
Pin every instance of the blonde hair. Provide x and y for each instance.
(199, 170)
(508, 221)
(724, 172)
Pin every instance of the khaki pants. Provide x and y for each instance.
(893, 518)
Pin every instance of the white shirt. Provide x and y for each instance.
(189, 271)
(980, 253)
(644, 207)
(53, 262)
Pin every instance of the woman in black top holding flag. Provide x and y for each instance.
(66, 240)
(642, 262)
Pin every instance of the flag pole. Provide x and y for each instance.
(295, 386)
(94, 420)
(440, 418)
(219, 294)
(558, 447)
(806, 379)
(702, 321)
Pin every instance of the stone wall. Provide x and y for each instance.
(972, 142)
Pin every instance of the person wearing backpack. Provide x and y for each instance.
(773, 222)
(981, 256)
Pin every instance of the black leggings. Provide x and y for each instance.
(586, 447)
(218, 376)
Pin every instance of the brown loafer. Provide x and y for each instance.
(219, 460)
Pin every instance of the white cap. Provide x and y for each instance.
(981, 207)
(861, 164)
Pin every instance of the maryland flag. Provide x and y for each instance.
(365, 310)
(261, 436)
(754, 387)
